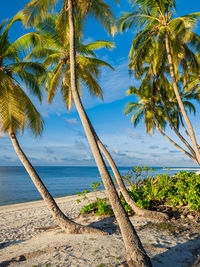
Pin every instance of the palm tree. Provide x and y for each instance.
(157, 111)
(49, 46)
(175, 40)
(136, 255)
(153, 72)
(18, 112)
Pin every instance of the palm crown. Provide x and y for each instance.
(52, 47)
(37, 10)
(16, 109)
(155, 18)
(150, 107)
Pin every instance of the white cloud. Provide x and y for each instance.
(3, 135)
(72, 120)
(133, 134)
(88, 40)
(115, 149)
(115, 84)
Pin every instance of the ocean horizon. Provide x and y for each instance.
(17, 187)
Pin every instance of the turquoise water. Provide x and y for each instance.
(17, 187)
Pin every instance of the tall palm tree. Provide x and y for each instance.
(153, 72)
(48, 43)
(136, 255)
(175, 39)
(18, 112)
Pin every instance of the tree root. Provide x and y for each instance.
(75, 228)
(151, 214)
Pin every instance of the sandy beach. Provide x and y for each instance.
(29, 237)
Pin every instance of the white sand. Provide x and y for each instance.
(24, 243)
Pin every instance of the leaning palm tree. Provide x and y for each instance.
(18, 112)
(174, 37)
(136, 255)
(153, 70)
(157, 112)
(48, 43)
(157, 89)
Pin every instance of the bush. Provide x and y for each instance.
(99, 207)
(185, 191)
(180, 190)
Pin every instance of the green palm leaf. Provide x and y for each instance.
(54, 80)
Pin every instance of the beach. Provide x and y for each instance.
(29, 237)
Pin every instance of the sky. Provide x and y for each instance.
(63, 142)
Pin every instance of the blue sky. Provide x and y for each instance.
(63, 141)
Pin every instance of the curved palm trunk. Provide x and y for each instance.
(172, 125)
(66, 224)
(138, 211)
(178, 97)
(174, 143)
(136, 255)
(186, 131)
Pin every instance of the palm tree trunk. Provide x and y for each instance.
(138, 211)
(136, 255)
(66, 224)
(174, 143)
(172, 125)
(178, 97)
(182, 123)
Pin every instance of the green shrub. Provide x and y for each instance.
(180, 190)
(99, 207)
(186, 190)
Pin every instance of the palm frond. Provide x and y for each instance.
(189, 106)
(33, 67)
(11, 109)
(26, 41)
(91, 63)
(90, 81)
(32, 83)
(99, 45)
(130, 107)
(42, 53)
(100, 11)
(138, 18)
(33, 119)
(18, 17)
(37, 10)
(53, 81)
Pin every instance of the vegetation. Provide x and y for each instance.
(165, 57)
(17, 112)
(165, 46)
(36, 11)
(16, 108)
(179, 192)
(52, 48)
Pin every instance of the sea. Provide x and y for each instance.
(17, 187)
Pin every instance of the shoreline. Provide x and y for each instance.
(30, 237)
(42, 204)
(6, 205)
(34, 202)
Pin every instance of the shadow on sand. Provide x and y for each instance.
(182, 255)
